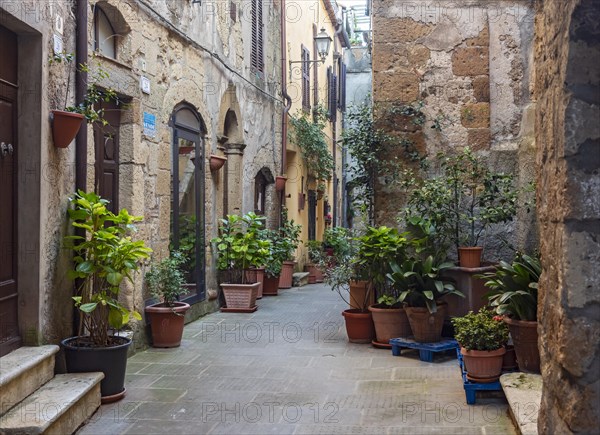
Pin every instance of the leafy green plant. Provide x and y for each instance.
(388, 301)
(240, 247)
(419, 284)
(104, 257)
(480, 331)
(514, 287)
(309, 135)
(339, 240)
(315, 252)
(289, 236)
(165, 279)
(187, 244)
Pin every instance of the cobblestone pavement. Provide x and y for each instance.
(288, 369)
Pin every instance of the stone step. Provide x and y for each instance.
(59, 407)
(23, 371)
(523, 392)
(300, 279)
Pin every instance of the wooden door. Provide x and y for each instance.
(9, 328)
(106, 141)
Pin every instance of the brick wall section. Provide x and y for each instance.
(567, 52)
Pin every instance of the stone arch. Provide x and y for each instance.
(119, 25)
(230, 118)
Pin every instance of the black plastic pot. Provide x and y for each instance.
(112, 361)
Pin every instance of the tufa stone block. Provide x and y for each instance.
(471, 61)
(479, 138)
(476, 115)
(398, 29)
(395, 87)
(481, 89)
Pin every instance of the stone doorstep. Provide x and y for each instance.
(300, 279)
(59, 407)
(523, 392)
(23, 371)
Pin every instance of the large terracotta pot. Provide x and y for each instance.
(256, 275)
(358, 295)
(389, 323)
(426, 327)
(270, 285)
(315, 275)
(483, 365)
(240, 296)
(287, 272)
(509, 360)
(166, 323)
(65, 126)
(470, 257)
(525, 339)
(359, 326)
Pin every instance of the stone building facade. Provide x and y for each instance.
(192, 85)
(567, 55)
(469, 64)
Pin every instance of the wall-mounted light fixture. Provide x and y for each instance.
(323, 41)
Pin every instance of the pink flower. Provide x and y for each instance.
(498, 318)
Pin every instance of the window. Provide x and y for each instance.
(256, 55)
(305, 78)
(342, 85)
(331, 94)
(263, 178)
(104, 34)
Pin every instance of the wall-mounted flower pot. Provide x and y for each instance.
(216, 162)
(280, 183)
(65, 126)
(470, 257)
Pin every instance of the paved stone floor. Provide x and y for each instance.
(289, 369)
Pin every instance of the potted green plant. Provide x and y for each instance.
(66, 123)
(165, 280)
(104, 257)
(482, 337)
(420, 287)
(240, 248)
(337, 244)
(514, 295)
(287, 242)
(316, 261)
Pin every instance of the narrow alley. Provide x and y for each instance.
(288, 368)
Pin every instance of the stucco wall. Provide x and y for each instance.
(470, 66)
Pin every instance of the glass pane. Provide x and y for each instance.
(186, 118)
(106, 35)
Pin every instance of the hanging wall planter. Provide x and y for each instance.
(65, 126)
(216, 162)
(280, 183)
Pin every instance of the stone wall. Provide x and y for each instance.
(469, 64)
(567, 55)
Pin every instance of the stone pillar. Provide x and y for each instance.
(234, 182)
(567, 54)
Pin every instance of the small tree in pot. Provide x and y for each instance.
(483, 338)
(287, 241)
(317, 259)
(165, 280)
(104, 257)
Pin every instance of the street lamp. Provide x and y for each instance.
(323, 42)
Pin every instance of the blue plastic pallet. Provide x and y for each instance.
(471, 387)
(426, 350)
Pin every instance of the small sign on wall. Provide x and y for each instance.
(145, 84)
(149, 124)
(57, 44)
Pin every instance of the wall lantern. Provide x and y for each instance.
(323, 42)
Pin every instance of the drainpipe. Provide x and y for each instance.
(288, 104)
(81, 77)
(338, 30)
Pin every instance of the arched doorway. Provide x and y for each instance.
(187, 197)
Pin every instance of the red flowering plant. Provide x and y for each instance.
(480, 331)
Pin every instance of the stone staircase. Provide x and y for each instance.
(35, 401)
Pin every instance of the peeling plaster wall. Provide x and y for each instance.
(469, 63)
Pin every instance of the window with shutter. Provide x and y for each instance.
(256, 55)
(305, 78)
(332, 94)
(342, 87)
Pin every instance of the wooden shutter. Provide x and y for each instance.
(256, 57)
(342, 90)
(305, 78)
(332, 93)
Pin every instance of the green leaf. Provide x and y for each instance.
(89, 307)
(114, 278)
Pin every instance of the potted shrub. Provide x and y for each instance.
(66, 123)
(337, 244)
(287, 241)
(390, 320)
(240, 248)
(420, 287)
(165, 280)
(482, 337)
(103, 257)
(514, 295)
(316, 261)
(359, 321)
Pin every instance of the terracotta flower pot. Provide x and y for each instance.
(359, 326)
(65, 126)
(287, 272)
(525, 339)
(483, 365)
(216, 162)
(358, 295)
(470, 257)
(256, 275)
(280, 183)
(509, 360)
(166, 323)
(389, 323)
(315, 274)
(240, 296)
(426, 327)
(270, 285)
